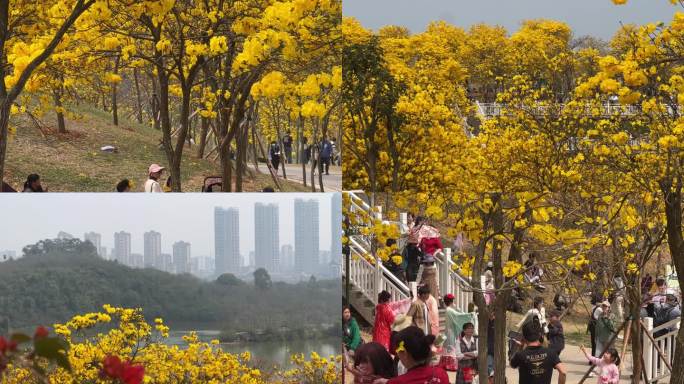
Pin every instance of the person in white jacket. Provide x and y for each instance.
(537, 311)
(152, 183)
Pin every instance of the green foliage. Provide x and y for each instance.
(59, 279)
(262, 279)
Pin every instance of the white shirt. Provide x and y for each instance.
(469, 343)
(152, 186)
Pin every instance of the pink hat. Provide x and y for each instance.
(154, 168)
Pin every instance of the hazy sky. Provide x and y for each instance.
(600, 18)
(27, 218)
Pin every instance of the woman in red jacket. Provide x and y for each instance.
(384, 317)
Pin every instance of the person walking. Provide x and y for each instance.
(555, 335)
(535, 363)
(593, 318)
(274, 155)
(154, 172)
(419, 312)
(384, 317)
(326, 151)
(536, 312)
(413, 252)
(287, 146)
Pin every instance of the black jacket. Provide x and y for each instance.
(556, 337)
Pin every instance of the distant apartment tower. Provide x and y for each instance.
(266, 237)
(287, 257)
(336, 227)
(227, 240)
(122, 247)
(181, 257)
(306, 236)
(64, 236)
(166, 262)
(152, 250)
(137, 260)
(96, 240)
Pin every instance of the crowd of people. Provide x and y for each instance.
(152, 184)
(320, 155)
(535, 349)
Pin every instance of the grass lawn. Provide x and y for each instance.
(73, 162)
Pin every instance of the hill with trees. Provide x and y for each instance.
(56, 279)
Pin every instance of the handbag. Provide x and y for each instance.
(448, 360)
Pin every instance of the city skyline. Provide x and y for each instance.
(188, 218)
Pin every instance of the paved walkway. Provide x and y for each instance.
(331, 182)
(575, 364)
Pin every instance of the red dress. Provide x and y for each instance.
(384, 317)
(425, 374)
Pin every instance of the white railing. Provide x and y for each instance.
(653, 365)
(452, 282)
(494, 109)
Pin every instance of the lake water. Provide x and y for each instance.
(268, 353)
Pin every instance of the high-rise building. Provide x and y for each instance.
(266, 237)
(181, 257)
(306, 236)
(287, 257)
(104, 254)
(122, 247)
(227, 240)
(96, 240)
(167, 262)
(137, 260)
(64, 236)
(152, 250)
(336, 227)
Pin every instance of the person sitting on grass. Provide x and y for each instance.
(607, 365)
(124, 186)
(32, 184)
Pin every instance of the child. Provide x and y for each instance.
(608, 365)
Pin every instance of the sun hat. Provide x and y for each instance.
(154, 168)
(449, 296)
(606, 303)
(401, 322)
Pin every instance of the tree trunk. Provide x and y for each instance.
(204, 131)
(635, 312)
(241, 149)
(4, 128)
(138, 105)
(673, 213)
(61, 126)
(115, 109)
(302, 149)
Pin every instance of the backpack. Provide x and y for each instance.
(591, 326)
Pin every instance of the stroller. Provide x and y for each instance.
(212, 184)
